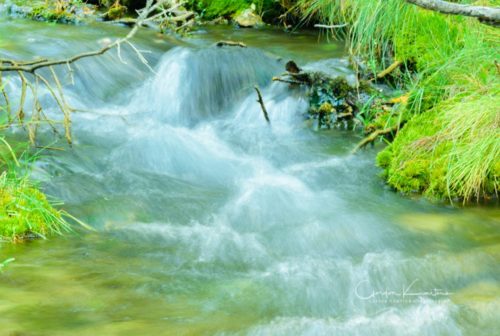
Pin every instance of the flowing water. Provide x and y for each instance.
(210, 222)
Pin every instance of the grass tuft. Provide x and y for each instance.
(25, 212)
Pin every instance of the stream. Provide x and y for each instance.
(208, 221)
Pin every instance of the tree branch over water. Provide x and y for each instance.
(153, 10)
(488, 15)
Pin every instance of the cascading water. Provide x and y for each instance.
(210, 221)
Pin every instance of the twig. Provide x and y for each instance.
(66, 110)
(262, 106)
(50, 148)
(342, 25)
(231, 44)
(7, 102)
(389, 69)
(374, 135)
(20, 112)
(288, 81)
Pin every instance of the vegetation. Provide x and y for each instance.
(449, 147)
(212, 9)
(25, 212)
(61, 11)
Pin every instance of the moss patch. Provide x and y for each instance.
(451, 151)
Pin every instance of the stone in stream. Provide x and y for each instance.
(248, 18)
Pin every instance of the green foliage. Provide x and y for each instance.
(25, 212)
(450, 146)
(324, 11)
(211, 9)
(60, 11)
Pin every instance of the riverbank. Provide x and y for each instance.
(449, 147)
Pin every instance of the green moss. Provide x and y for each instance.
(452, 151)
(60, 11)
(211, 9)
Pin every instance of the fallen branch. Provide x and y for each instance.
(230, 44)
(262, 106)
(389, 69)
(342, 25)
(345, 115)
(288, 81)
(488, 15)
(374, 135)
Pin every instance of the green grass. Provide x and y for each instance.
(450, 146)
(25, 212)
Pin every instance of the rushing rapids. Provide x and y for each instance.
(210, 221)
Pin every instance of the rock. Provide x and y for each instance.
(248, 18)
(292, 67)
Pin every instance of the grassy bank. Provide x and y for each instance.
(449, 148)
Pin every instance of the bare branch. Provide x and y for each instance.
(6, 98)
(154, 10)
(32, 66)
(374, 136)
(389, 69)
(484, 14)
(342, 25)
(230, 44)
(20, 112)
(262, 106)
